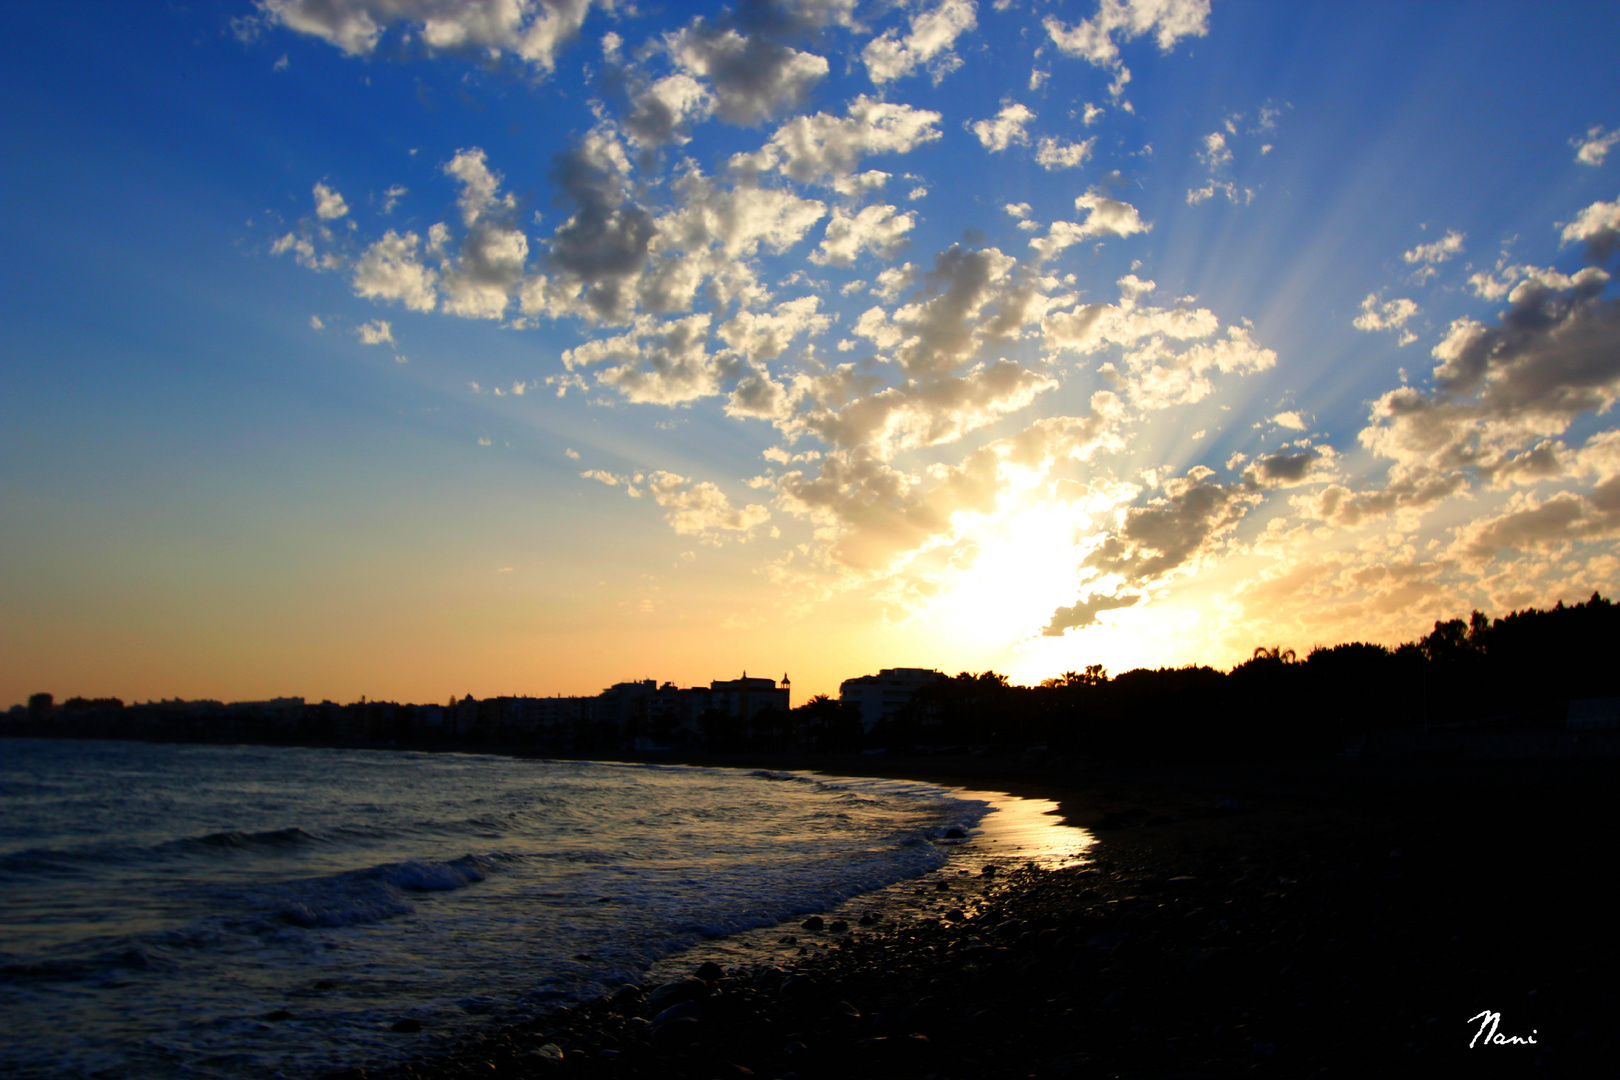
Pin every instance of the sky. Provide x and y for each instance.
(410, 348)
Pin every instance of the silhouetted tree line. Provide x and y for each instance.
(1518, 671)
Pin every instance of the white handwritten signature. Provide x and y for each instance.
(1488, 1022)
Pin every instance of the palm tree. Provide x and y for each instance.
(1286, 656)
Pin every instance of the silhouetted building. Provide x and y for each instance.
(881, 696)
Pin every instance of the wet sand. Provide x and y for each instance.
(1280, 920)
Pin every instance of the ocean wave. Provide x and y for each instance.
(72, 861)
(43, 861)
(372, 895)
(270, 839)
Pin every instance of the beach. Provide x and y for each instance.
(1264, 920)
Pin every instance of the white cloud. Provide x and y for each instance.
(760, 336)
(390, 270)
(329, 205)
(658, 363)
(1215, 154)
(376, 332)
(694, 508)
(1594, 146)
(1289, 420)
(1158, 374)
(1386, 315)
(1053, 154)
(929, 411)
(1097, 39)
(480, 186)
(315, 323)
(1007, 128)
(823, 147)
(1439, 251)
(740, 219)
(1104, 217)
(1225, 187)
(878, 229)
(303, 247)
(933, 32)
(702, 509)
(895, 280)
(480, 282)
(1093, 39)
(1161, 377)
(1087, 328)
(533, 31)
(1598, 226)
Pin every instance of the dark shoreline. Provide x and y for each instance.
(1321, 918)
(1332, 917)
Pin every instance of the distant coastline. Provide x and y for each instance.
(1532, 684)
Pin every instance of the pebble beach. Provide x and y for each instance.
(1269, 924)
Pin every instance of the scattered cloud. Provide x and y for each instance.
(375, 332)
(534, 32)
(914, 411)
(1215, 154)
(694, 508)
(329, 205)
(1598, 227)
(1500, 388)
(750, 76)
(1387, 315)
(878, 229)
(1173, 531)
(1594, 146)
(934, 30)
(390, 269)
(1441, 250)
(1097, 39)
(1007, 128)
(1052, 153)
(823, 148)
(1085, 612)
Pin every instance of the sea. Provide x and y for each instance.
(217, 911)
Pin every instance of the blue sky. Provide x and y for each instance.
(417, 347)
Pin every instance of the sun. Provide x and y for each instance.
(1006, 575)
